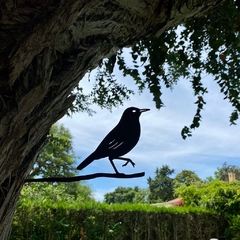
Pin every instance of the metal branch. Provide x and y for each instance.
(86, 177)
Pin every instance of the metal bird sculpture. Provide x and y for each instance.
(120, 140)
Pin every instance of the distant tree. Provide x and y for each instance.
(161, 186)
(141, 196)
(57, 157)
(222, 172)
(126, 194)
(186, 177)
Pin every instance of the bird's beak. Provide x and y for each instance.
(144, 110)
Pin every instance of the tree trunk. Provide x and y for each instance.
(46, 47)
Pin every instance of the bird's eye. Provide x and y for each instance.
(134, 110)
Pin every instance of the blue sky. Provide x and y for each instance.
(160, 143)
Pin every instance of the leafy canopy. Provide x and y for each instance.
(185, 177)
(205, 46)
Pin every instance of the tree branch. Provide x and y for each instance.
(86, 177)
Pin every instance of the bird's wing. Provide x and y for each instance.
(114, 144)
(111, 142)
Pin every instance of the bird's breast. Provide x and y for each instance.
(125, 141)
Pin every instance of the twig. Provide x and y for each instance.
(86, 177)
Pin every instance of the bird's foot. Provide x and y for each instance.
(129, 161)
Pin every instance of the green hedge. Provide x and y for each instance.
(95, 221)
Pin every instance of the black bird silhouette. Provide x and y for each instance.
(120, 140)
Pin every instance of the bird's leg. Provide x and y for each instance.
(128, 160)
(111, 161)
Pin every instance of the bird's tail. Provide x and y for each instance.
(86, 162)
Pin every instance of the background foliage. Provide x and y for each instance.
(50, 211)
(122, 221)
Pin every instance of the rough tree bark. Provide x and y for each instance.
(46, 47)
